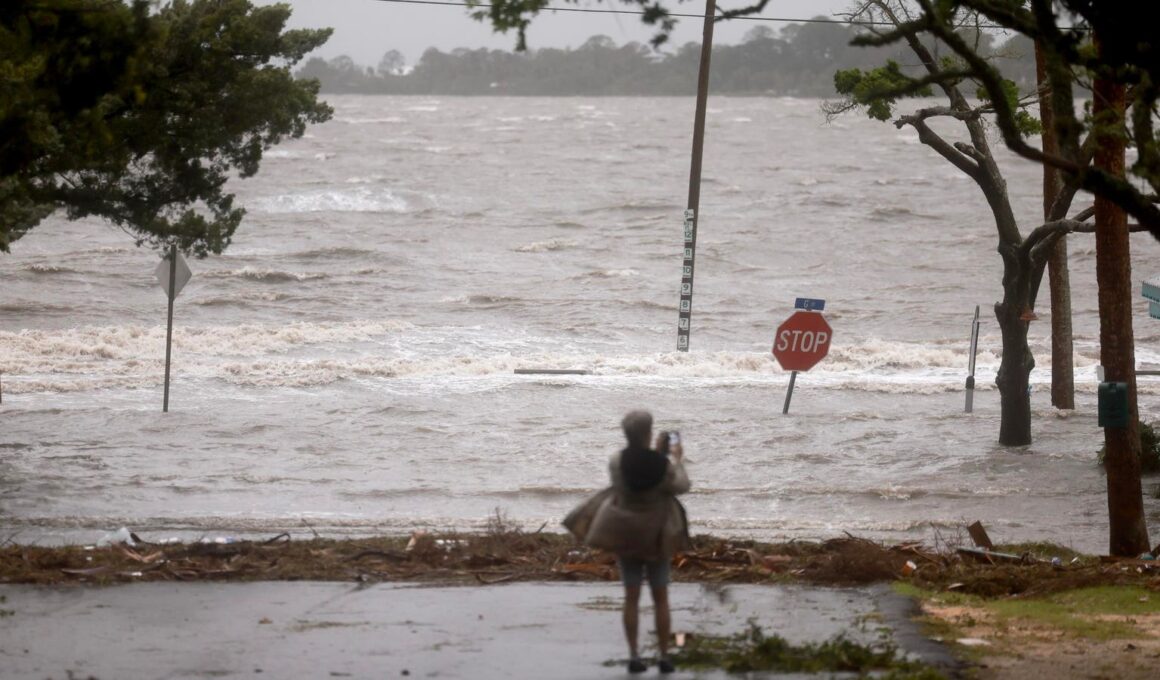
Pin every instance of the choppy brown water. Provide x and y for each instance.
(349, 362)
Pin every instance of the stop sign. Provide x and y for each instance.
(802, 341)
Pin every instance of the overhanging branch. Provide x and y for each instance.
(932, 139)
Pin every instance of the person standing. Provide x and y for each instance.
(640, 520)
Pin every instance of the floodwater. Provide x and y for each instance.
(348, 364)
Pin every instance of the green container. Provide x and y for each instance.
(1113, 404)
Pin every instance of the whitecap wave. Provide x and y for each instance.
(611, 274)
(363, 199)
(45, 268)
(268, 356)
(51, 359)
(263, 275)
(547, 246)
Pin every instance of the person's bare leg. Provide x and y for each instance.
(660, 596)
(632, 618)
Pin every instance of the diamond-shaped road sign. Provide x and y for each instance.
(182, 277)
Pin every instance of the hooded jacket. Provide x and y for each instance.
(646, 524)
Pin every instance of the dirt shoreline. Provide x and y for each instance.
(504, 555)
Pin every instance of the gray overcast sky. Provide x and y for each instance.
(365, 29)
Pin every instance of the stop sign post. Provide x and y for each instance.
(801, 342)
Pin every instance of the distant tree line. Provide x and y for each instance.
(799, 60)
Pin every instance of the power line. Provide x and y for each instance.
(745, 17)
(593, 10)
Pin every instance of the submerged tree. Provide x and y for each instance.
(139, 116)
(1113, 46)
(1128, 55)
(1024, 258)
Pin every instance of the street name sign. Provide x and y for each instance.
(809, 304)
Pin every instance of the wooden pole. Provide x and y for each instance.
(169, 323)
(1128, 533)
(692, 214)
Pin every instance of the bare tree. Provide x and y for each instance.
(1024, 258)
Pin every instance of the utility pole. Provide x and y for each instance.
(1058, 277)
(692, 213)
(1128, 533)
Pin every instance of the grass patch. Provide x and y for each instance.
(753, 650)
(1125, 600)
(1080, 613)
(1096, 613)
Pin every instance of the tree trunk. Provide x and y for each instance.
(1014, 371)
(1128, 533)
(1058, 278)
(1014, 376)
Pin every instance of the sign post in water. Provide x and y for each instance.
(172, 280)
(971, 362)
(802, 341)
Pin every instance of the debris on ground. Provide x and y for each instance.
(503, 555)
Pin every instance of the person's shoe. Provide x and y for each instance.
(636, 666)
(665, 666)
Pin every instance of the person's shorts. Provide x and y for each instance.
(632, 571)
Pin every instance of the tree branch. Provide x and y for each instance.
(1085, 214)
(932, 139)
(943, 112)
(993, 83)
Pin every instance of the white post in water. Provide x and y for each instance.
(971, 362)
(685, 312)
(172, 273)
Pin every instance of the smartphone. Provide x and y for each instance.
(674, 438)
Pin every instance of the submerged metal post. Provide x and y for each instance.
(169, 323)
(971, 363)
(685, 314)
(789, 392)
